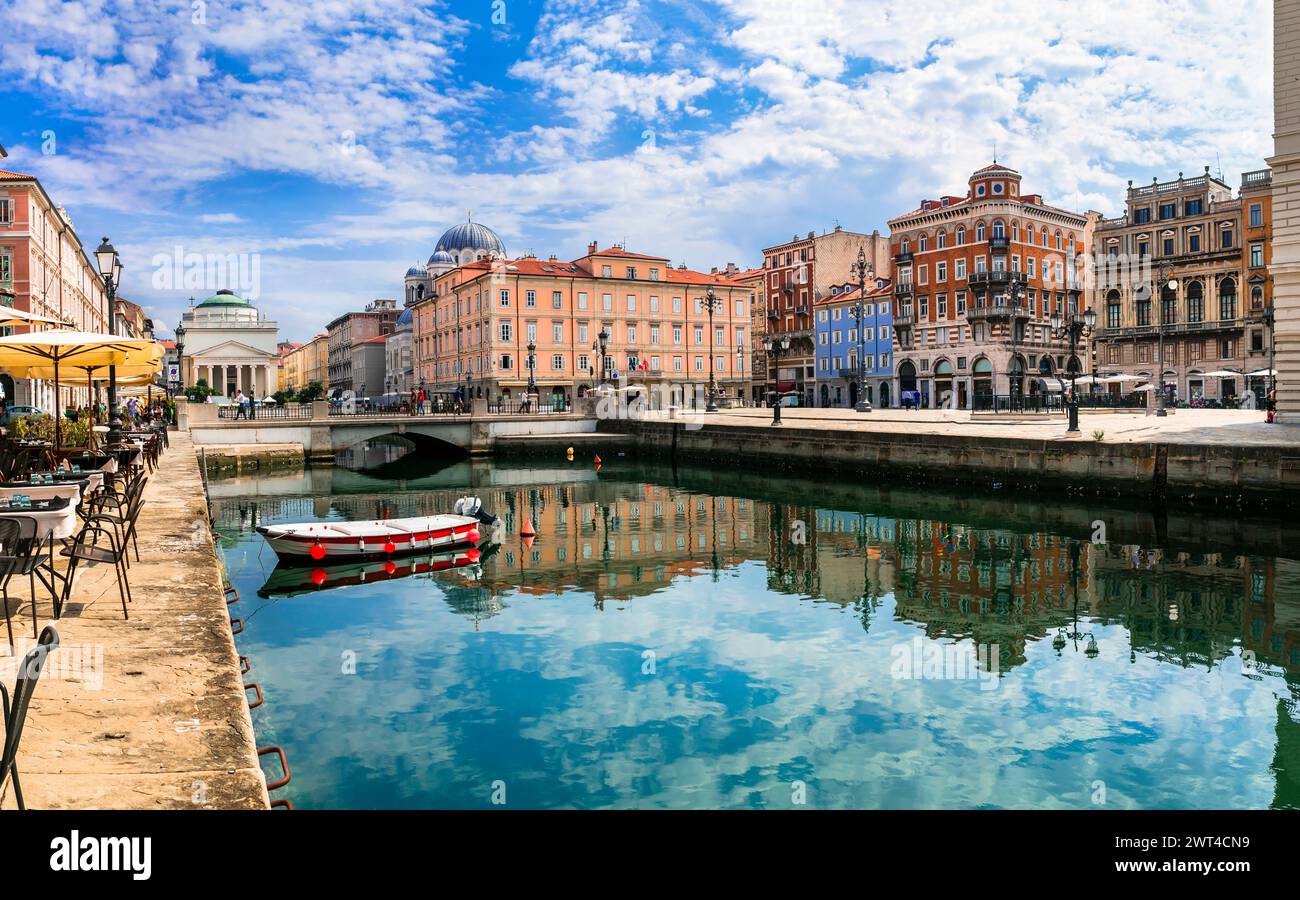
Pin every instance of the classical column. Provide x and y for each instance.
(1285, 164)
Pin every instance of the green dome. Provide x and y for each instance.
(225, 297)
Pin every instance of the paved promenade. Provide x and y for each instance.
(147, 713)
(1185, 426)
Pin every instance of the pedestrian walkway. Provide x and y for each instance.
(145, 713)
(1183, 426)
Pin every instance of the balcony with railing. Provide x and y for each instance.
(903, 286)
(999, 244)
(903, 258)
(998, 311)
(1257, 178)
(997, 278)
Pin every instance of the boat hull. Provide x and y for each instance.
(314, 542)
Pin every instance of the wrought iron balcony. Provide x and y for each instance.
(999, 244)
(996, 278)
(997, 311)
(904, 320)
(903, 287)
(903, 258)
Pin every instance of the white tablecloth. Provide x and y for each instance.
(43, 491)
(59, 523)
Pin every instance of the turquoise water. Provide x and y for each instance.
(693, 638)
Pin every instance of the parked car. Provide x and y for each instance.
(13, 413)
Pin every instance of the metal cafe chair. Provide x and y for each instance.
(88, 546)
(125, 512)
(15, 707)
(20, 554)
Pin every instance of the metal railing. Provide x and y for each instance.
(288, 411)
(1018, 403)
(525, 407)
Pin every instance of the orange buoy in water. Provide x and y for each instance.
(528, 542)
(568, 454)
(527, 531)
(390, 567)
(318, 577)
(597, 459)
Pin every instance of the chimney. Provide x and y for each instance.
(552, 257)
(591, 249)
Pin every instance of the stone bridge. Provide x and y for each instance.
(321, 434)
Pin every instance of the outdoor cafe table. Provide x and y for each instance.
(95, 477)
(66, 488)
(56, 519)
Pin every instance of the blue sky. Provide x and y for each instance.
(336, 140)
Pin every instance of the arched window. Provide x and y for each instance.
(907, 246)
(1058, 240)
(1257, 297)
(961, 235)
(1195, 302)
(979, 231)
(999, 230)
(1227, 299)
(1112, 309)
(1015, 232)
(1045, 239)
(941, 239)
(922, 244)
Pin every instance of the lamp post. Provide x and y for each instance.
(110, 269)
(1014, 289)
(1074, 328)
(602, 341)
(863, 405)
(775, 347)
(1165, 279)
(711, 300)
(180, 359)
(532, 366)
(1272, 377)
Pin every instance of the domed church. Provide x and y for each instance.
(460, 244)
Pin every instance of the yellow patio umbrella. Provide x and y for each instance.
(43, 350)
(139, 370)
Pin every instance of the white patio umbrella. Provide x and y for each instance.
(1122, 379)
(11, 317)
(1263, 373)
(1222, 373)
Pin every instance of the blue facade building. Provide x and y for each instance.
(835, 333)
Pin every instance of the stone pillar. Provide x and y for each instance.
(1285, 163)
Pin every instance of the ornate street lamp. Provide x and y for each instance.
(1165, 279)
(1074, 328)
(1272, 376)
(110, 269)
(602, 341)
(532, 366)
(775, 347)
(711, 301)
(863, 405)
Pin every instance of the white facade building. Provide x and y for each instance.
(229, 344)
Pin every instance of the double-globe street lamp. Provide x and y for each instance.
(775, 347)
(863, 405)
(110, 269)
(1075, 327)
(1164, 280)
(711, 301)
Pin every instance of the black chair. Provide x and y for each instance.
(15, 709)
(96, 542)
(20, 554)
(122, 511)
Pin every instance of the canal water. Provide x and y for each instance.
(685, 637)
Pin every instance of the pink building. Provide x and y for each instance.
(476, 329)
(45, 269)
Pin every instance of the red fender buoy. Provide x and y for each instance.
(527, 531)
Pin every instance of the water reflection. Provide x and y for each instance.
(1161, 663)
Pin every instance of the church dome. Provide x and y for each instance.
(441, 258)
(406, 321)
(225, 297)
(470, 236)
(416, 271)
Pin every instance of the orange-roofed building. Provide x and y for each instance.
(46, 269)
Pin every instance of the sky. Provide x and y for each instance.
(321, 148)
